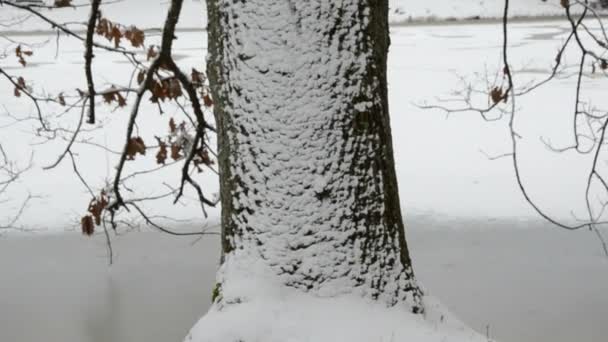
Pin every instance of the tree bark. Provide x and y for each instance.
(307, 172)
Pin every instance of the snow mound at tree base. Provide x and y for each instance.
(305, 318)
(259, 309)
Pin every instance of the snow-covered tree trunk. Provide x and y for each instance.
(308, 183)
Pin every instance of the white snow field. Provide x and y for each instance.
(442, 161)
(145, 13)
(519, 281)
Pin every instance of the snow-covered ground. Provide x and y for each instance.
(149, 13)
(522, 282)
(403, 11)
(443, 163)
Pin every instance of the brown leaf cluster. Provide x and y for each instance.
(21, 54)
(109, 30)
(20, 86)
(165, 89)
(175, 146)
(113, 95)
(163, 150)
(95, 211)
(114, 32)
(170, 145)
(198, 81)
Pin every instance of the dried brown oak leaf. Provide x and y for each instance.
(151, 53)
(172, 126)
(116, 36)
(135, 36)
(207, 101)
(87, 225)
(158, 91)
(197, 77)
(19, 86)
(174, 89)
(134, 146)
(103, 27)
(113, 95)
(141, 76)
(61, 99)
(496, 95)
(202, 157)
(97, 206)
(63, 3)
(175, 152)
(161, 156)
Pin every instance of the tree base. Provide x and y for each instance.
(255, 308)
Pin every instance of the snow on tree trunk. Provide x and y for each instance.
(308, 182)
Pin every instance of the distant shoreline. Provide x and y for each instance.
(426, 21)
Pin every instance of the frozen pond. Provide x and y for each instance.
(527, 282)
(442, 163)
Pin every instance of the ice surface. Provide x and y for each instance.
(526, 281)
